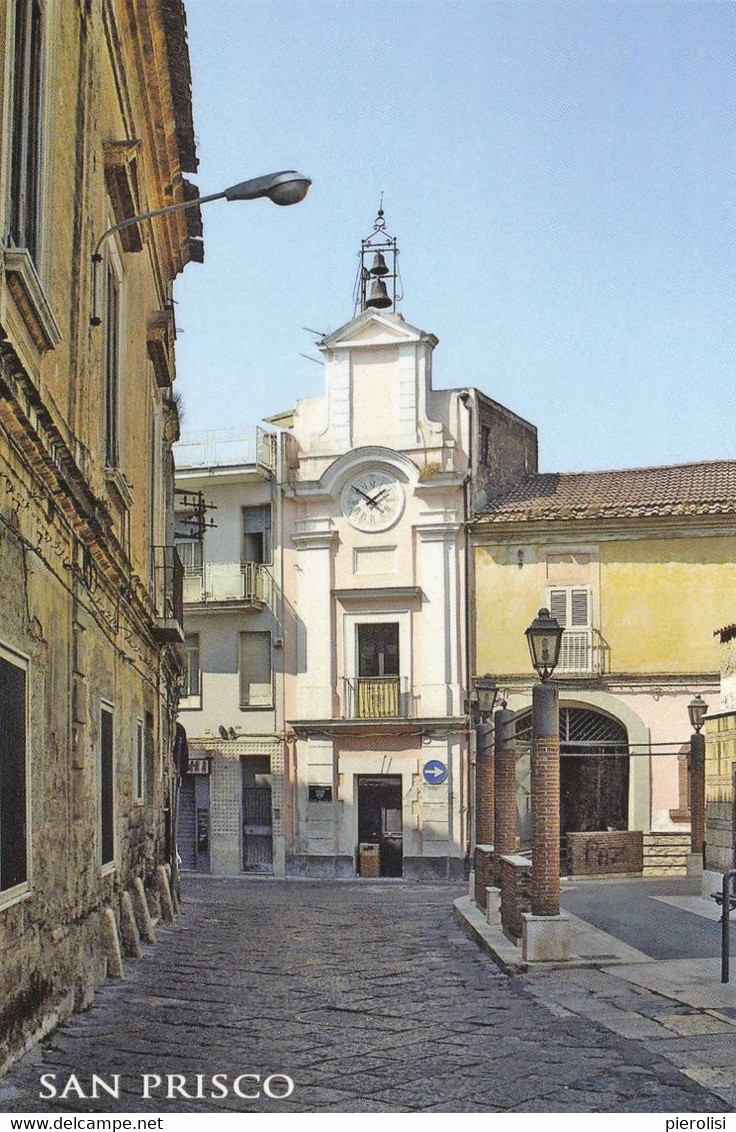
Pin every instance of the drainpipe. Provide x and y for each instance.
(467, 399)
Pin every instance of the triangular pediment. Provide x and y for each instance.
(372, 328)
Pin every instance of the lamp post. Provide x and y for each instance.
(697, 709)
(544, 637)
(485, 692)
(284, 188)
(504, 788)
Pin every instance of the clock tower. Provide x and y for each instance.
(375, 584)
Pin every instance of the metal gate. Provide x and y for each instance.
(193, 822)
(257, 819)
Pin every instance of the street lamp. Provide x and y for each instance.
(284, 188)
(697, 709)
(544, 637)
(485, 691)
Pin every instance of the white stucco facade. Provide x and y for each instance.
(361, 739)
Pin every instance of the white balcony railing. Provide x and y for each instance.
(226, 581)
(226, 448)
(580, 652)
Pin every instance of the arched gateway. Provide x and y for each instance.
(594, 769)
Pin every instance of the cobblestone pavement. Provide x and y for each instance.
(366, 994)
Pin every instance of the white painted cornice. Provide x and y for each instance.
(372, 328)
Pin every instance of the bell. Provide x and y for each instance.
(379, 265)
(379, 297)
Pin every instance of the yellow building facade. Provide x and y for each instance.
(95, 128)
(637, 565)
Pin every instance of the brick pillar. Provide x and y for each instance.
(483, 784)
(545, 801)
(504, 754)
(697, 794)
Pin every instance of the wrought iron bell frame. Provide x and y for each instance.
(379, 242)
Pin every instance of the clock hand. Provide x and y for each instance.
(368, 498)
(377, 498)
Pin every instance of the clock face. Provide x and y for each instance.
(372, 501)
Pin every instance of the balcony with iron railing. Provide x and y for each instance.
(376, 697)
(226, 448)
(168, 574)
(582, 653)
(211, 582)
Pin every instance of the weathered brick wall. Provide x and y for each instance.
(515, 877)
(593, 854)
(483, 873)
(546, 825)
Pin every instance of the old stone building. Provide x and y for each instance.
(95, 128)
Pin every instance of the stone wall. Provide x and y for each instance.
(665, 854)
(719, 825)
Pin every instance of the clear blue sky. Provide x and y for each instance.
(560, 177)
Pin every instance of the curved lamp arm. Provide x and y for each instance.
(284, 188)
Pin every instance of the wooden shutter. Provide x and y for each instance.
(579, 609)
(558, 606)
(255, 670)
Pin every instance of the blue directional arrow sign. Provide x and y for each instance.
(435, 772)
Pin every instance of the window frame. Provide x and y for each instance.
(267, 532)
(106, 866)
(27, 67)
(112, 358)
(247, 706)
(139, 763)
(22, 889)
(568, 591)
(192, 701)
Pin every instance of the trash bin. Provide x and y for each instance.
(370, 859)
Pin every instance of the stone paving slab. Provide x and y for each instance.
(369, 998)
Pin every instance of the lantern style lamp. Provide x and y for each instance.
(545, 640)
(486, 692)
(697, 709)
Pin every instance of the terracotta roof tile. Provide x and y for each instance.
(706, 488)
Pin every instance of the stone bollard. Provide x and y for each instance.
(172, 888)
(111, 945)
(164, 893)
(143, 916)
(129, 928)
